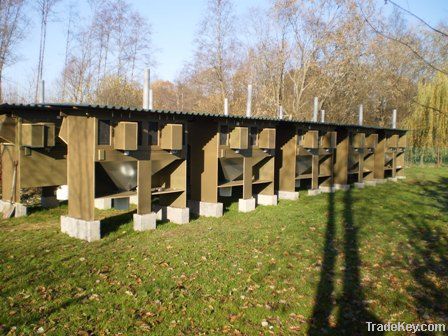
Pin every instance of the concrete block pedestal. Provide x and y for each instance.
(288, 195)
(20, 210)
(393, 179)
(313, 192)
(380, 181)
(246, 205)
(266, 199)
(81, 229)
(344, 187)
(145, 222)
(327, 189)
(206, 209)
(178, 215)
(401, 177)
(370, 183)
(358, 185)
(103, 203)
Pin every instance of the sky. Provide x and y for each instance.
(174, 26)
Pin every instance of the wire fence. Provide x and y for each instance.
(426, 156)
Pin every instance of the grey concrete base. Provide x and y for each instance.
(344, 187)
(326, 189)
(393, 179)
(313, 192)
(401, 177)
(20, 211)
(49, 202)
(246, 205)
(62, 193)
(380, 181)
(145, 222)
(121, 203)
(206, 209)
(358, 185)
(133, 200)
(178, 215)
(103, 203)
(288, 195)
(160, 212)
(266, 199)
(370, 183)
(81, 229)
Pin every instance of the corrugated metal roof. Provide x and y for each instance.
(68, 106)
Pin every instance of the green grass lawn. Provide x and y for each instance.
(319, 265)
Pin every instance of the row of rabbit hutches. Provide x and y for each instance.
(171, 163)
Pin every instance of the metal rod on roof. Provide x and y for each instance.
(42, 92)
(322, 116)
(226, 107)
(150, 99)
(361, 115)
(146, 94)
(394, 118)
(249, 101)
(316, 109)
(280, 112)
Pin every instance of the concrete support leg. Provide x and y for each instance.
(344, 187)
(81, 229)
(313, 192)
(380, 181)
(266, 199)
(288, 195)
(206, 209)
(246, 205)
(358, 185)
(370, 183)
(103, 203)
(401, 177)
(121, 203)
(327, 189)
(178, 215)
(145, 222)
(393, 179)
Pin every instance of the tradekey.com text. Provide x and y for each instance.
(408, 327)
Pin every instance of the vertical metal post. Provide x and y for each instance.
(322, 116)
(394, 118)
(361, 115)
(42, 92)
(316, 109)
(249, 101)
(150, 99)
(280, 112)
(146, 93)
(226, 107)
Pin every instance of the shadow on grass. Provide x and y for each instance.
(353, 312)
(113, 223)
(429, 259)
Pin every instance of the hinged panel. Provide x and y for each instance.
(328, 140)
(125, 136)
(266, 138)
(358, 140)
(311, 139)
(171, 137)
(239, 138)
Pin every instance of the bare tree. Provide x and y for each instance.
(12, 28)
(46, 10)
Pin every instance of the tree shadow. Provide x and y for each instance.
(353, 313)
